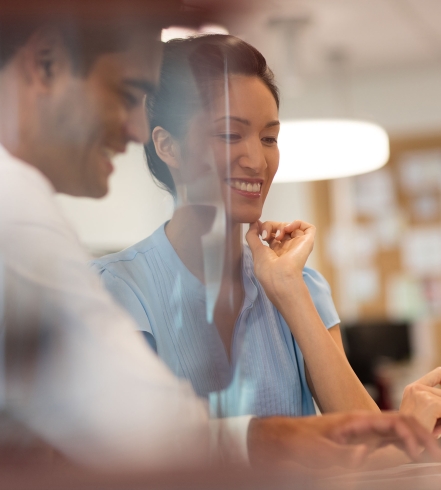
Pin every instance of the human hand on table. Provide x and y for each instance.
(343, 439)
(283, 261)
(422, 400)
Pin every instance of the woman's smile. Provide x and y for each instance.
(250, 188)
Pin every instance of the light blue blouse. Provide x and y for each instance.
(266, 374)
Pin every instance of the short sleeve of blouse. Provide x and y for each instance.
(321, 295)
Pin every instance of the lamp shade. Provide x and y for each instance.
(179, 32)
(329, 148)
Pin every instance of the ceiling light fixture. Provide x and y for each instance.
(179, 32)
(319, 149)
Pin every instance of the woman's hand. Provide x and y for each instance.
(279, 268)
(423, 401)
(279, 265)
(279, 230)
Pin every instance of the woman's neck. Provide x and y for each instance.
(185, 231)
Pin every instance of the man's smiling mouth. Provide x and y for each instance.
(109, 152)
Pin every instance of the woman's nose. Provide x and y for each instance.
(252, 157)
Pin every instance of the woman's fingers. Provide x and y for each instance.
(257, 248)
(252, 236)
(296, 233)
(276, 230)
(272, 229)
(431, 379)
(423, 401)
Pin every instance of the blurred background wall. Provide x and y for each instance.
(379, 234)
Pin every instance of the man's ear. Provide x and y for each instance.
(45, 58)
(166, 147)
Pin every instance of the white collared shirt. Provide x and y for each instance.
(75, 370)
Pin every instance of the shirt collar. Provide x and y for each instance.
(38, 175)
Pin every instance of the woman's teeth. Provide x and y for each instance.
(246, 186)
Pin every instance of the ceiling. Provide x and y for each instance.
(370, 34)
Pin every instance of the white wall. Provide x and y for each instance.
(132, 210)
(403, 100)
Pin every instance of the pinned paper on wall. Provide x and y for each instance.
(432, 290)
(420, 171)
(388, 228)
(421, 251)
(375, 193)
(339, 245)
(365, 244)
(358, 244)
(365, 284)
(425, 208)
(405, 299)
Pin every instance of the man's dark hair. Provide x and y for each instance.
(83, 41)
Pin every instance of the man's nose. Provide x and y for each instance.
(138, 127)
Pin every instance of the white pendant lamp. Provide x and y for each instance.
(319, 149)
(180, 32)
(329, 149)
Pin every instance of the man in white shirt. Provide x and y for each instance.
(75, 370)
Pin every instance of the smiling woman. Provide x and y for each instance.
(214, 146)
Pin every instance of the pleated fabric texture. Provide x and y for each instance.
(265, 375)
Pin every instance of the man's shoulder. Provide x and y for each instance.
(26, 196)
(17, 172)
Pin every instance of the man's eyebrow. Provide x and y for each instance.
(143, 85)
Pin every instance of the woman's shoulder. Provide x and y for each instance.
(132, 256)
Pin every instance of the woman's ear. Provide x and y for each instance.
(166, 147)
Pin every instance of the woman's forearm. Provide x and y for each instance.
(335, 385)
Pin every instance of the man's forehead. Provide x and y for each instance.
(152, 12)
(137, 65)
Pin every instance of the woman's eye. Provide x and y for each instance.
(230, 136)
(270, 140)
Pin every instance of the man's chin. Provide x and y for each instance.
(95, 192)
(98, 193)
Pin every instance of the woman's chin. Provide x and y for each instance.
(245, 218)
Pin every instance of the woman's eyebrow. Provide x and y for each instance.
(235, 118)
(247, 122)
(272, 123)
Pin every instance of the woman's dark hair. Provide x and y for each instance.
(189, 68)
